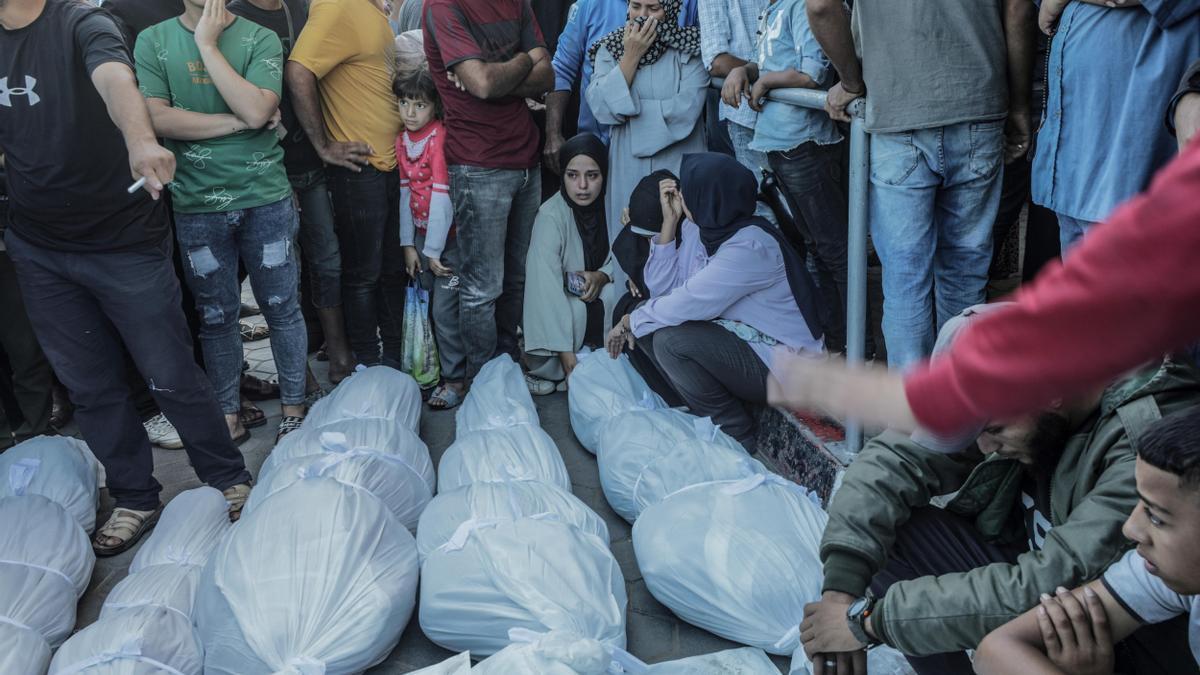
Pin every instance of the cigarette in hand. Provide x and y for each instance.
(136, 186)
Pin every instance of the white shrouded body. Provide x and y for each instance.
(601, 388)
(60, 469)
(520, 452)
(149, 640)
(498, 398)
(377, 391)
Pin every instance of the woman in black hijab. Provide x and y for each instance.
(727, 291)
(568, 274)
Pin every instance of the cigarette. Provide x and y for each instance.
(136, 186)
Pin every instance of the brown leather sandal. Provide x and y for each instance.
(126, 527)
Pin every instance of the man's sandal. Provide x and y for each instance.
(236, 497)
(444, 398)
(126, 527)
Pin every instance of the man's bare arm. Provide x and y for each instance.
(185, 125)
(117, 86)
(306, 101)
(490, 81)
(556, 107)
(723, 63)
(540, 78)
(831, 26)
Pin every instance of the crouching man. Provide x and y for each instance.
(1038, 504)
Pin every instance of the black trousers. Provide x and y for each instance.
(935, 542)
(715, 372)
(84, 307)
(29, 372)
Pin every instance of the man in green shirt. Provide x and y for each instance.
(212, 82)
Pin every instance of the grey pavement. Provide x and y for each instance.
(654, 634)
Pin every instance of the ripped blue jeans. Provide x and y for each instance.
(264, 238)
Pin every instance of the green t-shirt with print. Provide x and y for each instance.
(238, 171)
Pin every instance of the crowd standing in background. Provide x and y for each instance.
(283, 142)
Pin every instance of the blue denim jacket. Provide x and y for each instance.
(588, 21)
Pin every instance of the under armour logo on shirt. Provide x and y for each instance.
(27, 91)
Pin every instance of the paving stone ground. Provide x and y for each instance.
(654, 633)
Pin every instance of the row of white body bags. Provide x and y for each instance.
(525, 554)
(145, 625)
(499, 398)
(48, 499)
(564, 653)
(603, 388)
(320, 578)
(376, 392)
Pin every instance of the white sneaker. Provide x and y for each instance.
(537, 386)
(162, 433)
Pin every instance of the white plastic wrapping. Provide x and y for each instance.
(637, 439)
(376, 434)
(149, 640)
(520, 452)
(497, 501)
(171, 587)
(22, 650)
(601, 389)
(498, 398)
(403, 480)
(59, 468)
(46, 563)
(534, 573)
(690, 463)
(320, 575)
(377, 391)
(188, 531)
(736, 558)
(553, 653)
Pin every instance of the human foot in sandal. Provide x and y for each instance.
(122, 530)
(236, 497)
(448, 395)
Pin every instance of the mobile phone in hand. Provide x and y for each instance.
(574, 283)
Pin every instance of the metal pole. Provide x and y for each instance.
(856, 273)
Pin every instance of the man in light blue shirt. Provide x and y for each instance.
(802, 146)
(727, 40)
(1110, 70)
(588, 21)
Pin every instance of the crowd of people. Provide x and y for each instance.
(560, 177)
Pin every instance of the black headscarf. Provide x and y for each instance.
(721, 195)
(670, 34)
(590, 219)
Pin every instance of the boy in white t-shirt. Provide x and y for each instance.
(1075, 631)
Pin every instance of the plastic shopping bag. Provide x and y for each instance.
(377, 391)
(736, 558)
(419, 351)
(638, 439)
(449, 512)
(59, 468)
(518, 452)
(601, 389)
(319, 578)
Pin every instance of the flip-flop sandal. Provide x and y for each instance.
(287, 425)
(444, 398)
(243, 437)
(248, 310)
(251, 333)
(258, 389)
(251, 416)
(125, 525)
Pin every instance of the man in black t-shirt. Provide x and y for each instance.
(318, 240)
(93, 259)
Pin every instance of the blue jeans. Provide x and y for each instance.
(493, 213)
(756, 161)
(1070, 232)
(366, 207)
(262, 237)
(318, 239)
(933, 200)
(86, 309)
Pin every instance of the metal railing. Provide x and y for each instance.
(856, 273)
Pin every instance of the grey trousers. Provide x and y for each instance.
(715, 372)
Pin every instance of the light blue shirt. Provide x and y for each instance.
(786, 42)
(746, 281)
(1111, 74)
(588, 21)
(729, 27)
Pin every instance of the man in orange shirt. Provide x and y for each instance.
(340, 77)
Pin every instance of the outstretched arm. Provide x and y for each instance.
(118, 87)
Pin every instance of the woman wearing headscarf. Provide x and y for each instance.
(726, 291)
(568, 271)
(649, 87)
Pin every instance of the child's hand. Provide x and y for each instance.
(436, 266)
(412, 261)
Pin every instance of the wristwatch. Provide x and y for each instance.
(856, 618)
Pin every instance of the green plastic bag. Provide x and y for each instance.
(420, 353)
